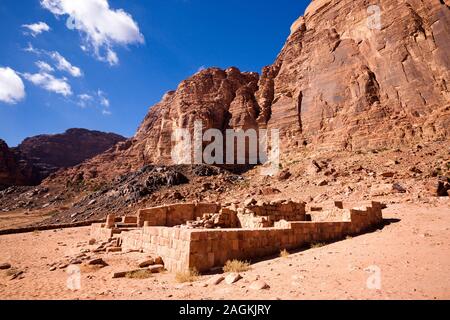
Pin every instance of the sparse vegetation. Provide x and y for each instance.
(139, 274)
(53, 213)
(236, 266)
(187, 276)
(284, 253)
(316, 245)
(244, 184)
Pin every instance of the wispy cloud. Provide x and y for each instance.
(12, 89)
(63, 65)
(50, 83)
(103, 100)
(44, 66)
(101, 27)
(84, 100)
(60, 62)
(36, 28)
(95, 100)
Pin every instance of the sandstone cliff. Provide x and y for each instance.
(13, 170)
(338, 84)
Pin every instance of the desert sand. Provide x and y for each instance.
(411, 252)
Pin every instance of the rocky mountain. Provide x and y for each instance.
(339, 83)
(37, 157)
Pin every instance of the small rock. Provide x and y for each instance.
(388, 174)
(157, 268)
(284, 175)
(113, 249)
(232, 278)
(97, 262)
(214, 281)
(17, 275)
(159, 260)
(398, 188)
(250, 202)
(121, 274)
(270, 191)
(259, 285)
(52, 269)
(4, 266)
(92, 242)
(146, 263)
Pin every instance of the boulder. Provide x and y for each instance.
(5, 266)
(215, 280)
(157, 268)
(232, 278)
(259, 285)
(146, 263)
(97, 262)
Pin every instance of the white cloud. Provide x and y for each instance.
(37, 28)
(63, 65)
(44, 66)
(102, 27)
(50, 83)
(103, 100)
(95, 100)
(85, 97)
(112, 58)
(12, 89)
(84, 100)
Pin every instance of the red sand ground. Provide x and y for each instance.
(413, 256)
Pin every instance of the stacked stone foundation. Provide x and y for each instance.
(203, 249)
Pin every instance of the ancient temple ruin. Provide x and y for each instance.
(207, 235)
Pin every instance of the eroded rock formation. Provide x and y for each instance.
(338, 84)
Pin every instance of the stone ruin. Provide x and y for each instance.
(206, 235)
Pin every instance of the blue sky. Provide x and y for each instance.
(155, 45)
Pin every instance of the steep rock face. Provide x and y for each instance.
(339, 83)
(343, 85)
(220, 99)
(14, 171)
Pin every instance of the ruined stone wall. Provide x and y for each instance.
(182, 249)
(267, 214)
(215, 247)
(173, 215)
(172, 244)
(100, 233)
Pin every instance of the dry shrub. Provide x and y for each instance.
(284, 253)
(139, 274)
(236, 266)
(187, 276)
(316, 245)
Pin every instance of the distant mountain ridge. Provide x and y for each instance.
(38, 157)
